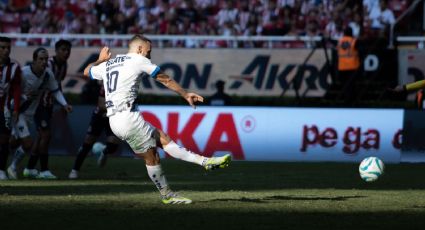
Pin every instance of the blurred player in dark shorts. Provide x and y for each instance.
(99, 123)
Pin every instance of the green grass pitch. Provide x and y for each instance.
(247, 195)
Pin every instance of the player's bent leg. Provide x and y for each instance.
(157, 176)
(182, 153)
(212, 163)
(177, 151)
(143, 139)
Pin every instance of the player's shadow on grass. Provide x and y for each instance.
(43, 190)
(286, 198)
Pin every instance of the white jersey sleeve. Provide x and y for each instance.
(145, 65)
(98, 71)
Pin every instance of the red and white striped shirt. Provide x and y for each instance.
(10, 85)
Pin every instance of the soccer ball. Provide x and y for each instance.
(98, 148)
(371, 168)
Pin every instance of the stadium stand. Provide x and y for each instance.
(192, 17)
(211, 24)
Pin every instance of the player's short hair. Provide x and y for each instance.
(36, 51)
(5, 39)
(139, 37)
(63, 42)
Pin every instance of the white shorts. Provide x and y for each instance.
(21, 129)
(131, 127)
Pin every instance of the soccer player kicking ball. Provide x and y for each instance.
(121, 78)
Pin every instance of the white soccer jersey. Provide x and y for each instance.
(121, 78)
(33, 87)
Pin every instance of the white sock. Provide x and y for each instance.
(179, 152)
(17, 157)
(158, 178)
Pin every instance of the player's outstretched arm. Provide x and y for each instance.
(191, 98)
(104, 55)
(61, 100)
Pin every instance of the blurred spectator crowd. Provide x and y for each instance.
(201, 17)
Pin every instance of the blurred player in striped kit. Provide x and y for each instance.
(37, 80)
(10, 88)
(58, 64)
(99, 122)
